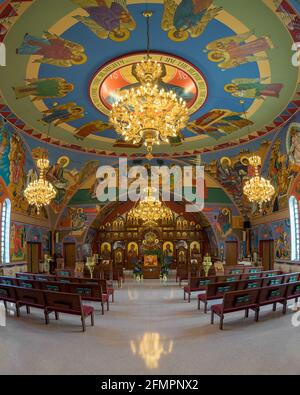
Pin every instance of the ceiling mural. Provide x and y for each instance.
(66, 69)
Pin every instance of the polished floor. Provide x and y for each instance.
(151, 330)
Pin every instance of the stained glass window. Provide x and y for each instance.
(5, 231)
(295, 231)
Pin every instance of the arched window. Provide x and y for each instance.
(295, 230)
(5, 231)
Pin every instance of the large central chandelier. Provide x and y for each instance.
(39, 193)
(148, 114)
(149, 209)
(257, 189)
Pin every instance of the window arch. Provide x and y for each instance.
(5, 231)
(295, 229)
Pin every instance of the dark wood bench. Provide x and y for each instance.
(253, 276)
(197, 284)
(90, 292)
(272, 295)
(8, 280)
(274, 280)
(236, 301)
(249, 284)
(8, 294)
(29, 297)
(293, 292)
(250, 299)
(215, 291)
(68, 304)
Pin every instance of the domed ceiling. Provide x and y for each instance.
(67, 59)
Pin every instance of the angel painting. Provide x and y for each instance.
(91, 128)
(45, 88)
(107, 18)
(185, 18)
(64, 113)
(53, 50)
(253, 88)
(234, 51)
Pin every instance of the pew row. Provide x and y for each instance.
(89, 292)
(48, 301)
(44, 277)
(197, 284)
(215, 291)
(254, 299)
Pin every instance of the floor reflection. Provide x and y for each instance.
(151, 347)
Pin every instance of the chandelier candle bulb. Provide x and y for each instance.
(148, 113)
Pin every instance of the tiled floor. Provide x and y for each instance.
(150, 330)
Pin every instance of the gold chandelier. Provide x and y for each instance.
(150, 210)
(148, 114)
(258, 189)
(40, 192)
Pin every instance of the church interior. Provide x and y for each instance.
(149, 187)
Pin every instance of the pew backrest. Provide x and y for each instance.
(64, 302)
(249, 284)
(293, 290)
(86, 290)
(7, 292)
(25, 276)
(32, 296)
(267, 294)
(219, 289)
(8, 280)
(239, 299)
(272, 281)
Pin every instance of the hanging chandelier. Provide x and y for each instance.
(148, 114)
(40, 192)
(150, 210)
(258, 190)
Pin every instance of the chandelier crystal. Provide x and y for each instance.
(258, 190)
(148, 114)
(149, 209)
(40, 192)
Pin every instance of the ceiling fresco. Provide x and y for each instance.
(67, 60)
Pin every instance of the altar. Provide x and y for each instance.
(151, 268)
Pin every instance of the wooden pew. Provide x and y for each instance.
(197, 284)
(236, 301)
(29, 297)
(68, 304)
(251, 299)
(215, 291)
(272, 295)
(8, 294)
(8, 280)
(90, 292)
(293, 292)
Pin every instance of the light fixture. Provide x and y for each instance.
(150, 210)
(257, 189)
(147, 113)
(40, 192)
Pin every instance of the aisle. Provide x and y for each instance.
(149, 330)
